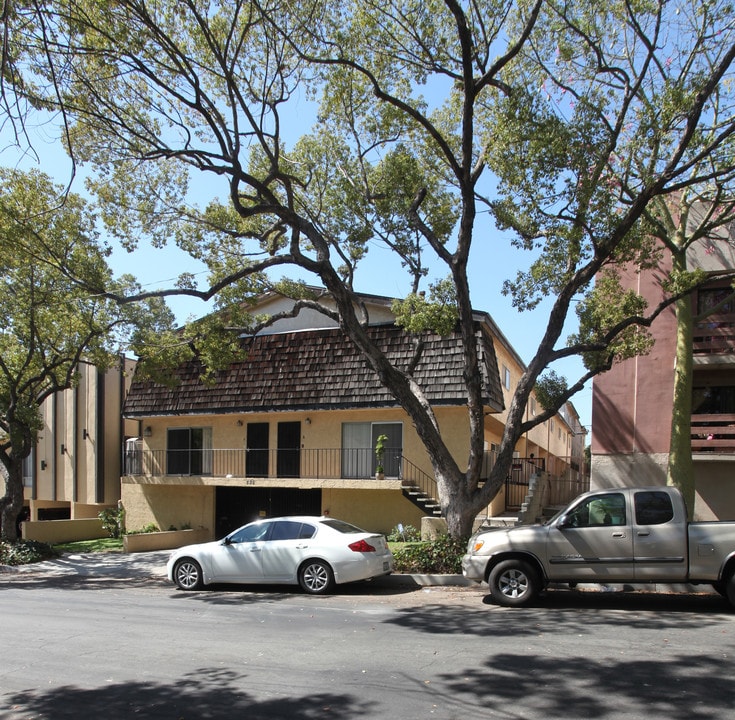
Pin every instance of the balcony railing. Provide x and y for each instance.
(715, 335)
(311, 464)
(713, 433)
(566, 476)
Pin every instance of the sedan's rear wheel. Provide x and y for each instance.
(316, 577)
(513, 583)
(188, 574)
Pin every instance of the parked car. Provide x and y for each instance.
(316, 553)
(625, 535)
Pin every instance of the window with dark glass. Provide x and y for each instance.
(291, 530)
(653, 508)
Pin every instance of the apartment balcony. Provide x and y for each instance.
(265, 464)
(714, 339)
(713, 433)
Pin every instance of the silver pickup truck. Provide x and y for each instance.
(627, 535)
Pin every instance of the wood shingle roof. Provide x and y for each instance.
(317, 369)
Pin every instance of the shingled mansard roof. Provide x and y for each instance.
(317, 370)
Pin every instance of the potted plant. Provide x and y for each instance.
(379, 454)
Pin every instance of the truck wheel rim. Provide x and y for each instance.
(513, 583)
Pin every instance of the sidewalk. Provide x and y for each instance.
(153, 565)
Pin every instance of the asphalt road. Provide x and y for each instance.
(97, 644)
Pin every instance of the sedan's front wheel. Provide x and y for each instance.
(188, 574)
(316, 577)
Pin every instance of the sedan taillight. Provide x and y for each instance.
(361, 546)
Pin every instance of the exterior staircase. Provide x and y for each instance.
(420, 488)
(426, 503)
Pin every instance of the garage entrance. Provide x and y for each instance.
(236, 506)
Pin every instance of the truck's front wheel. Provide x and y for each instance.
(730, 589)
(513, 583)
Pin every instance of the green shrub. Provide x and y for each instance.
(149, 528)
(112, 521)
(404, 533)
(23, 552)
(440, 556)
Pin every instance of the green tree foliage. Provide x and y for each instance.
(437, 121)
(49, 252)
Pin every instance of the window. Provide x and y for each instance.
(252, 533)
(608, 509)
(189, 451)
(713, 400)
(506, 378)
(714, 297)
(358, 449)
(28, 465)
(292, 530)
(341, 526)
(653, 507)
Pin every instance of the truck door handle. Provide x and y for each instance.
(643, 533)
(618, 534)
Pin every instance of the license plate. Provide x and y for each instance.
(386, 565)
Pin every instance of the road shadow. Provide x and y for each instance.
(580, 613)
(211, 693)
(535, 685)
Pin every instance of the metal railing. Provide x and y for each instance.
(566, 476)
(311, 464)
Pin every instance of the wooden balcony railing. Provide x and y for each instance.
(715, 335)
(713, 433)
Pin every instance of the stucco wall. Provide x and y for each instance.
(60, 531)
(374, 510)
(626, 470)
(714, 479)
(168, 505)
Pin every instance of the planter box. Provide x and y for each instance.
(165, 540)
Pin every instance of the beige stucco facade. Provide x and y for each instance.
(75, 467)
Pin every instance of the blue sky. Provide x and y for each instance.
(493, 260)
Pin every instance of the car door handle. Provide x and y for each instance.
(255, 549)
(618, 534)
(643, 533)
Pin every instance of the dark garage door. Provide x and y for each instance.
(236, 506)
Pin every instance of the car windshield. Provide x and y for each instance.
(341, 526)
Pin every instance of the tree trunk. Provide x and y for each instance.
(11, 503)
(681, 468)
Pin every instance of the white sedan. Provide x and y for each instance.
(314, 552)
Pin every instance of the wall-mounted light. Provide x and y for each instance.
(308, 421)
(239, 423)
(43, 464)
(147, 431)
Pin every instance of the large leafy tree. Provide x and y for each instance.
(438, 122)
(49, 252)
